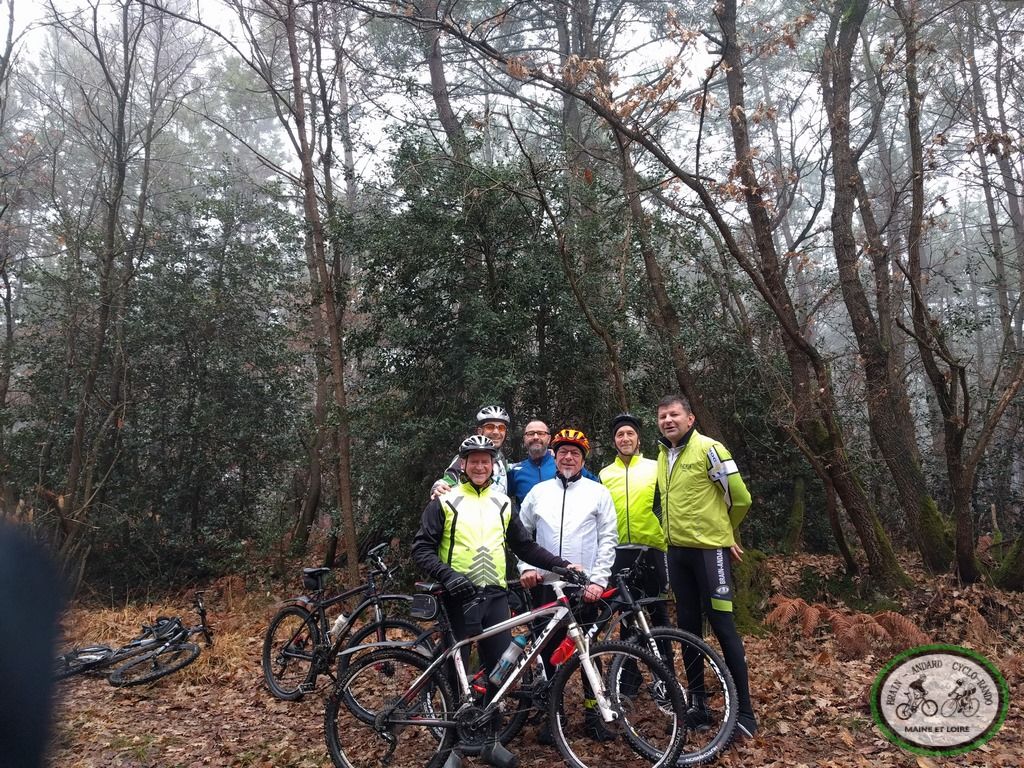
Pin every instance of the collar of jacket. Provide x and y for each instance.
(635, 456)
(682, 442)
(478, 488)
(567, 480)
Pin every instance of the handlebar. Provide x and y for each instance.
(572, 576)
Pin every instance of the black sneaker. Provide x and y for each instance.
(698, 717)
(594, 727)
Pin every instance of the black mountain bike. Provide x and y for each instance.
(156, 652)
(301, 644)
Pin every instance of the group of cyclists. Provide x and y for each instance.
(550, 511)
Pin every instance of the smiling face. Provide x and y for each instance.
(479, 466)
(568, 460)
(536, 437)
(627, 441)
(495, 430)
(674, 421)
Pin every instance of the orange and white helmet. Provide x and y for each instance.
(571, 437)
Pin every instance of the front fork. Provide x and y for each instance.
(593, 675)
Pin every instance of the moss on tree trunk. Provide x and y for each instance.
(795, 523)
(1010, 574)
(751, 582)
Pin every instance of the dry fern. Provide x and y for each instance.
(856, 633)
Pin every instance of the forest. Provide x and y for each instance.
(262, 260)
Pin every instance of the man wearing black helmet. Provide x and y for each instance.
(632, 481)
(462, 543)
(492, 421)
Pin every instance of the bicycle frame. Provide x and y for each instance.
(559, 615)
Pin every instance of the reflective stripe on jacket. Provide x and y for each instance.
(704, 497)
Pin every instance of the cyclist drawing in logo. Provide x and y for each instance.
(917, 698)
(961, 699)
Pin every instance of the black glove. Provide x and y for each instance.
(458, 586)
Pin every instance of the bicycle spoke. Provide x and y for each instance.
(648, 708)
(371, 719)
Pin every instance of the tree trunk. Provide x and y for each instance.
(315, 231)
(887, 401)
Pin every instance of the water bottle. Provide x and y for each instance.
(339, 624)
(508, 660)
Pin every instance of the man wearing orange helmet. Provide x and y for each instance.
(574, 517)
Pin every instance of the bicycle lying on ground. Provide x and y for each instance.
(396, 706)
(156, 652)
(301, 644)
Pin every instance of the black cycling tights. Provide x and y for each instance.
(697, 576)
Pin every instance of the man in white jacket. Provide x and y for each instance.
(573, 517)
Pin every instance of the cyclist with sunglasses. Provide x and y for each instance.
(492, 422)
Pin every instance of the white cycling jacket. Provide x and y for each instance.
(575, 520)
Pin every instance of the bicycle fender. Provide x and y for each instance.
(301, 600)
(412, 645)
(406, 598)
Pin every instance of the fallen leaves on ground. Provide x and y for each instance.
(812, 703)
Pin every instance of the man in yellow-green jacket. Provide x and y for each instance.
(703, 500)
(633, 483)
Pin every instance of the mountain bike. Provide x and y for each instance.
(699, 670)
(157, 651)
(397, 706)
(300, 643)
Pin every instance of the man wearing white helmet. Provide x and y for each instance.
(492, 421)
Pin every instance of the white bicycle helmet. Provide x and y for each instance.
(476, 443)
(493, 413)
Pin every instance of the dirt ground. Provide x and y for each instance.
(811, 698)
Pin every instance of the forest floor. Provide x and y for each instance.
(810, 694)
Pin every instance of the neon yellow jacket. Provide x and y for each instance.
(704, 497)
(634, 490)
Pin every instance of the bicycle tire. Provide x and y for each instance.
(970, 706)
(903, 711)
(387, 630)
(376, 681)
(929, 707)
(289, 653)
(949, 707)
(570, 717)
(153, 665)
(678, 650)
(80, 660)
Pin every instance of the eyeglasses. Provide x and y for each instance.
(536, 433)
(495, 428)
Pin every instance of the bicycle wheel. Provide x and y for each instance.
(154, 665)
(288, 652)
(81, 660)
(929, 707)
(971, 706)
(903, 711)
(387, 630)
(371, 716)
(949, 707)
(706, 686)
(654, 713)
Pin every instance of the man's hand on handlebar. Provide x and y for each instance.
(530, 579)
